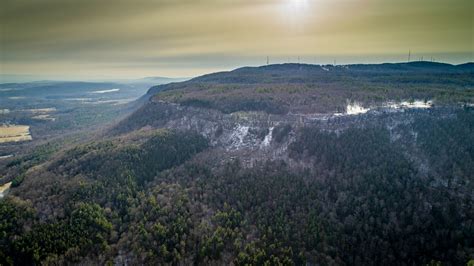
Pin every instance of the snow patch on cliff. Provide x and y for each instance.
(268, 138)
(238, 135)
(417, 104)
(356, 109)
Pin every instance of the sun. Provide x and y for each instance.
(296, 7)
(296, 10)
(298, 3)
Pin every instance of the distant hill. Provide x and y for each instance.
(321, 88)
(292, 69)
(164, 79)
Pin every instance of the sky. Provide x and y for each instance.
(107, 39)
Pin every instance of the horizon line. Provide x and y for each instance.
(48, 78)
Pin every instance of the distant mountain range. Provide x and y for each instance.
(12, 78)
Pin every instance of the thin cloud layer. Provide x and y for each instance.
(184, 38)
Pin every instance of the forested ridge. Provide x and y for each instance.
(154, 197)
(259, 166)
(305, 88)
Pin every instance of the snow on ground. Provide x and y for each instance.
(80, 99)
(238, 135)
(356, 109)
(44, 117)
(415, 104)
(268, 138)
(105, 91)
(6, 156)
(41, 110)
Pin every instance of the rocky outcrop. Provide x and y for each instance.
(259, 136)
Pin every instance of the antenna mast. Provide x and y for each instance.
(409, 55)
(268, 60)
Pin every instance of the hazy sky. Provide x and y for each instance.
(126, 39)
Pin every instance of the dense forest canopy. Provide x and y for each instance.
(302, 88)
(392, 188)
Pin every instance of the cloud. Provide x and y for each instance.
(46, 35)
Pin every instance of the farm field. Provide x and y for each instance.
(4, 189)
(14, 133)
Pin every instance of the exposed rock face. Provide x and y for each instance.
(256, 113)
(242, 133)
(259, 136)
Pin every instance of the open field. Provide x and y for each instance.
(4, 189)
(14, 133)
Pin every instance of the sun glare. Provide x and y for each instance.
(297, 7)
(298, 3)
(296, 11)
